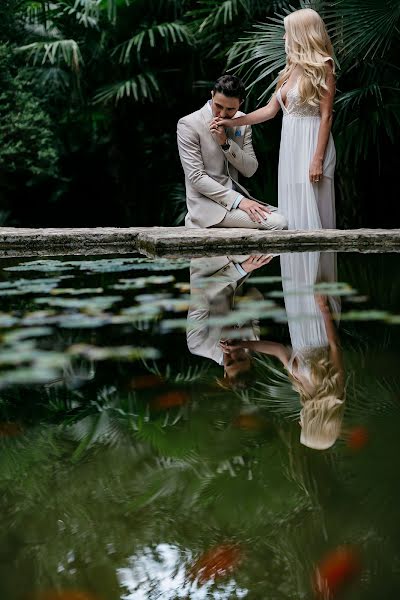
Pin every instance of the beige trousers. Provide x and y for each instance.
(239, 218)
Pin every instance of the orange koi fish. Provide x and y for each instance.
(170, 399)
(339, 568)
(216, 562)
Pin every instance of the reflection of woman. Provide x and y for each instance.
(314, 360)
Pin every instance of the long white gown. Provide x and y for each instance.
(300, 271)
(306, 205)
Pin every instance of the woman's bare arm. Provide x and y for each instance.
(257, 116)
(326, 110)
(262, 346)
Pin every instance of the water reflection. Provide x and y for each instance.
(216, 284)
(313, 360)
(126, 472)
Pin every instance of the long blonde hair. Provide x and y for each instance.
(309, 46)
(322, 412)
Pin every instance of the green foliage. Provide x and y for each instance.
(365, 37)
(92, 62)
(27, 142)
(139, 88)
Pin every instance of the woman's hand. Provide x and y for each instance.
(229, 346)
(218, 122)
(322, 302)
(316, 170)
(219, 132)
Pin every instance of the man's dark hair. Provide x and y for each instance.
(231, 86)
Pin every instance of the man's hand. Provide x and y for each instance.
(229, 346)
(255, 261)
(223, 122)
(256, 211)
(218, 131)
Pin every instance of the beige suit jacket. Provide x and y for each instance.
(209, 171)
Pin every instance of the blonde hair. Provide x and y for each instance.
(309, 46)
(322, 412)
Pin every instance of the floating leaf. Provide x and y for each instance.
(93, 303)
(76, 291)
(81, 321)
(365, 315)
(7, 320)
(141, 282)
(22, 334)
(113, 353)
(267, 279)
(41, 265)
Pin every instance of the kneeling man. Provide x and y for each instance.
(212, 158)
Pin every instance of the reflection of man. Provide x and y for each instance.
(212, 158)
(215, 284)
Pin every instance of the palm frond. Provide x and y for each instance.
(363, 30)
(55, 53)
(141, 87)
(274, 390)
(375, 102)
(110, 8)
(260, 55)
(86, 12)
(188, 374)
(211, 14)
(165, 34)
(175, 207)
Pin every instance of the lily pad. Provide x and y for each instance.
(113, 353)
(92, 303)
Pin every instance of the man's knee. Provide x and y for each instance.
(279, 221)
(283, 222)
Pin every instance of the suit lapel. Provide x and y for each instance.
(207, 118)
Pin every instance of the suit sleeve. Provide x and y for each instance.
(198, 331)
(243, 159)
(193, 166)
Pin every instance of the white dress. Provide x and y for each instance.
(300, 271)
(306, 205)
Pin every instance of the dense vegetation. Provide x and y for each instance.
(91, 91)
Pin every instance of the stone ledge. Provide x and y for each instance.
(180, 241)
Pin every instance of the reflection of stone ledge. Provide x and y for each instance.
(180, 241)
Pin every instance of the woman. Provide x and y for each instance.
(305, 93)
(314, 359)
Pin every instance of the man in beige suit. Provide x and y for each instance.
(212, 159)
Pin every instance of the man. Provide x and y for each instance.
(212, 158)
(215, 283)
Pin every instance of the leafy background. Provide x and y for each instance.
(91, 91)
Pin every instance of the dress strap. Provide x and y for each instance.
(279, 97)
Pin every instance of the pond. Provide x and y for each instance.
(221, 427)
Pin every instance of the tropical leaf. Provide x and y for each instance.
(184, 375)
(162, 34)
(139, 88)
(55, 53)
(260, 55)
(363, 30)
(378, 104)
(274, 390)
(86, 12)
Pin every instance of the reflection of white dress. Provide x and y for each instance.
(300, 271)
(306, 205)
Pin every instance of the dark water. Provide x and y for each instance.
(131, 468)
